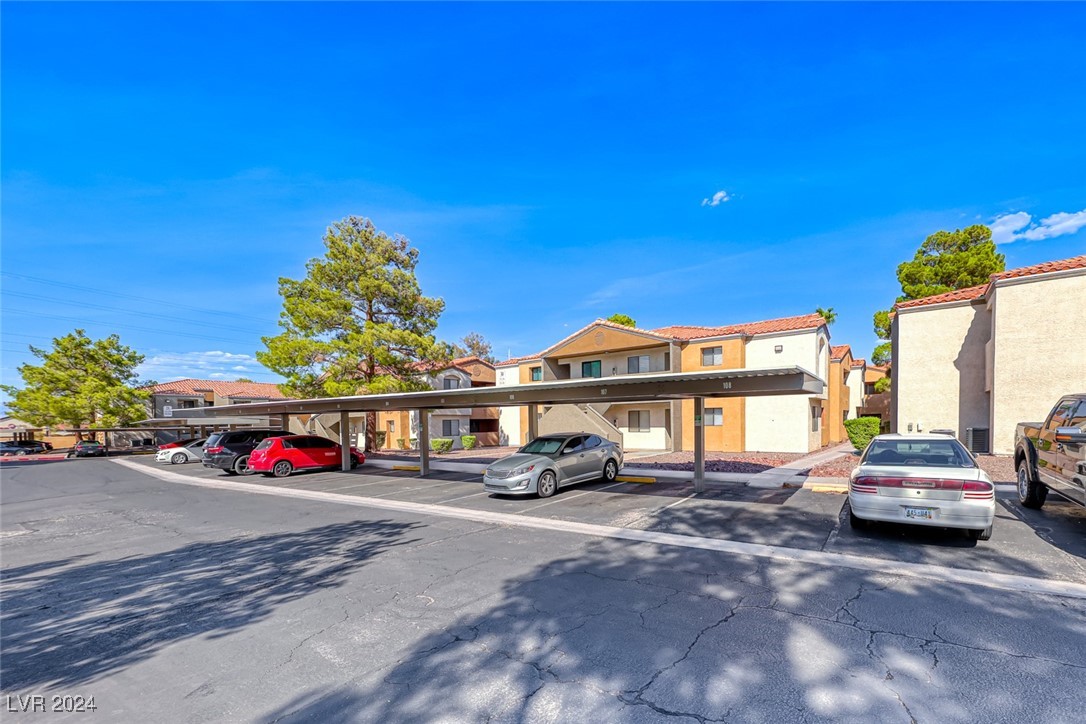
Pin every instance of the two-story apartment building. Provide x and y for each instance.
(605, 349)
(979, 360)
(171, 399)
(401, 428)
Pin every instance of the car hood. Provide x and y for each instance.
(518, 460)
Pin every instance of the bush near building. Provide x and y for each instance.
(468, 441)
(861, 430)
(441, 444)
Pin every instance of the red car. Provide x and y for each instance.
(280, 456)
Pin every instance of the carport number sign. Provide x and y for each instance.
(167, 411)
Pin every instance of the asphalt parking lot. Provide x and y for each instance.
(1048, 544)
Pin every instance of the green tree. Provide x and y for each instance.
(80, 382)
(623, 319)
(474, 344)
(828, 314)
(243, 379)
(358, 322)
(881, 356)
(882, 384)
(945, 262)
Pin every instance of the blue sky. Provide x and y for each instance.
(164, 164)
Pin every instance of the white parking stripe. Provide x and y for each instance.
(418, 487)
(677, 502)
(473, 495)
(563, 498)
(942, 574)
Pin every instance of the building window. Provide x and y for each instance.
(391, 425)
(450, 428)
(816, 417)
(714, 416)
(869, 388)
(452, 383)
(639, 421)
(637, 364)
(712, 356)
(537, 374)
(591, 369)
(187, 404)
(667, 361)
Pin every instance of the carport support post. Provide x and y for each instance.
(533, 422)
(699, 445)
(424, 443)
(344, 440)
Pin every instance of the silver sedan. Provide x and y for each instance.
(553, 461)
(185, 454)
(923, 480)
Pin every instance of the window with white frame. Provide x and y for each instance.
(637, 364)
(450, 428)
(452, 383)
(714, 416)
(639, 421)
(712, 356)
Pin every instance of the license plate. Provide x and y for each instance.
(920, 513)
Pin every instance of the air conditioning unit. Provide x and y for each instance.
(976, 440)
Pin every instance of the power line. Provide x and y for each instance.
(88, 322)
(121, 295)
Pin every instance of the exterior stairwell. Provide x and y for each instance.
(578, 418)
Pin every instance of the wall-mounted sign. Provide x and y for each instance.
(167, 411)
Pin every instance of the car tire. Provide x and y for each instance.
(241, 465)
(1031, 493)
(282, 469)
(178, 458)
(978, 534)
(354, 462)
(857, 523)
(610, 471)
(547, 484)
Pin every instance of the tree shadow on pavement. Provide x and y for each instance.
(70, 625)
(625, 632)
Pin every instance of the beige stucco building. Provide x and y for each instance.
(990, 356)
(793, 423)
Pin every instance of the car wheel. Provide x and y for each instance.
(1031, 493)
(177, 458)
(282, 469)
(857, 523)
(354, 462)
(977, 534)
(547, 485)
(610, 471)
(241, 465)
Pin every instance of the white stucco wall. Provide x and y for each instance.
(655, 439)
(782, 423)
(508, 417)
(616, 363)
(855, 382)
(1039, 350)
(939, 364)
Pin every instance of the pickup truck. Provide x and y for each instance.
(1051, 455)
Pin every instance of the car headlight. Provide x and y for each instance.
(523, 470)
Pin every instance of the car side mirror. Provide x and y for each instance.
(1070, 434)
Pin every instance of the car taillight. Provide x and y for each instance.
(978, 490)
(215, 450)
(871, 483)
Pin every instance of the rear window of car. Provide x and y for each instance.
(543, 445)
(923, 453)
(265, 444)
(213, 439)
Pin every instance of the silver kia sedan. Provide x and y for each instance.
(553, 461)
(923, 480)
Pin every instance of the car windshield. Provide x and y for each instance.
(543, 446)
(924, 453)
(89, 443)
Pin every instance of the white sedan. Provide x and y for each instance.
(190, 453)
(922, 480)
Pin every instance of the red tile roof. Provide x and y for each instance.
(839, 351)
(971, 293)
(257, 390)
(516, 360)
(458, 363)
(859, 363)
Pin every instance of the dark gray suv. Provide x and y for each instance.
(230, 450)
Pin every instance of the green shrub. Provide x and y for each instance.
(401, 443)
(468, 441)
(381, 435)
(861, 430)
(441, 444)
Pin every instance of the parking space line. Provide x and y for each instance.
(422, 487)
(677, 502)
(927, 571)
(473, 495)
(559, 499)
(360, 485)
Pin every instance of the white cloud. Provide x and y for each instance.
(1018, 226)
(210, 364)
(718, 198)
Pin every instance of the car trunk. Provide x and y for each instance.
(935, 483)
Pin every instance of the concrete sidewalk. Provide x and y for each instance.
(792, 473)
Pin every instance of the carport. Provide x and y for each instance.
(696, 386)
